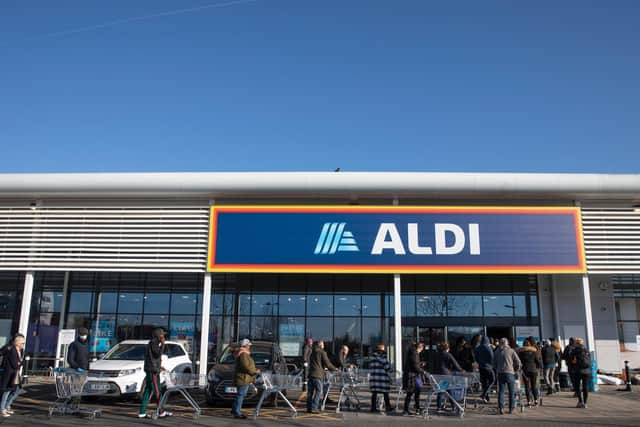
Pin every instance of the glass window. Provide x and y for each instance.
(184, 303)
(222, 304)
(292, 334)
(129, 326)
(431, 305)
(464, 305)
(347, 331)
(520, 305)
(79, 301)
(371, 305)
(244, 308)
(468, 332)
(103, 334)
(244, 328)
(291, 304)
(533, 305)
(78, 320)
(51, 302)
(153, 321)
(107, 302)
(371, 335)
(182, 329)
(130, 302)
(320, 305)
(498, 305)
(347, 305)
(7, 301)
(264, 305)
(172, 350)
(408, 304)
(263, 328)
(157, 302)
(320, 328)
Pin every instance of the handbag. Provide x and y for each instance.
(419, 382)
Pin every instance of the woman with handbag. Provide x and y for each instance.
(11, 378)
(412, 377)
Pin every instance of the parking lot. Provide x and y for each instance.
(609, 407)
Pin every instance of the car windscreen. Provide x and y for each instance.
(262, 357)
(126, 352)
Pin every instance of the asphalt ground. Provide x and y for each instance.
(609, 407)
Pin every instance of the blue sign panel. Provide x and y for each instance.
(395, 239)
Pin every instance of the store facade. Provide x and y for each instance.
(214, 258)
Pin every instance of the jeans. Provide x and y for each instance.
(314, 394)
(531, 386)
(584, 379)
(8, 397)
(374, 401)
(407, 400)
(487, 378)
(510, 381)
(236, 408)
(548, 378)
(152, 385)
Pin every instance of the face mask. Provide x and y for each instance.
(83, 337)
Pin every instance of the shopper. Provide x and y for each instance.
(556, 371)
(11, 376)
(380, 372)
(484, 357)
(581, 362)
(306, 359)
(463, 353)
(152, 367)
(566, 356)
(318, 363)
(78, 352)
(506, 364)
(445, 364)
(531, 365)
(343, 358)
(550, 359)
(412, 377)
(244, 375)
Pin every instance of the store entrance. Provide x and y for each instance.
(498, 332)
(431, 337)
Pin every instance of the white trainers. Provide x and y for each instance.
(143, 416)
(4, 413)
(165, 414)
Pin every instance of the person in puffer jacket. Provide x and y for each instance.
(152, 367)
(531, 364)
(484, 358)
(550, 358)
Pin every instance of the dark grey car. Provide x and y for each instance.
(220, 389)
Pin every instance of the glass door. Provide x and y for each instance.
(431, 338)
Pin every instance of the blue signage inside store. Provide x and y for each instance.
(315, 240)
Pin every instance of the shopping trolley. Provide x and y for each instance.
(350, 383)
(453, 387)
(70, 388)
(276, 384)
(474, 385)
(179, 383)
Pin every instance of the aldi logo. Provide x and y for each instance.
(334, 238)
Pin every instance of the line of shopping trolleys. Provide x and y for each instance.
(459, 391)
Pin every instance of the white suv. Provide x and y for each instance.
(120, 370)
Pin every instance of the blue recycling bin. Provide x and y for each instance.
(594, 373)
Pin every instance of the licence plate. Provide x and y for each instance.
(99, 387)
(230, 390)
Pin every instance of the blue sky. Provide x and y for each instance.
(508, 86)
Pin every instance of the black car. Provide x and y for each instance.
(220, 389)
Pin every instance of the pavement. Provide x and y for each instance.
(608, 407)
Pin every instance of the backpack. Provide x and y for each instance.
(3, 352)
(582, 358)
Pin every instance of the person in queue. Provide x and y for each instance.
(566, 356)
(556, 372)
(550, 359)
(78, 353)
(412, 377)
(11, 377)
(484, 357)
(531, 364)
(244, 375)
(506, 364)
(152, 367)
(463, 353)
(318, 363)
(306, 359)
(343, 358)
(581, 363)
(445, 364)
(380, 379)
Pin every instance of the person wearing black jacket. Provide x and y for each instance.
(12, 363)
(411, 373)
(531, 364)
(463, 353)
(566, 356)
(445, 363)
(152, 367)
(580, 359)
(78, 353)
(550, 359)
(484, 356)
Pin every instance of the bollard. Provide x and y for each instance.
(627, 374)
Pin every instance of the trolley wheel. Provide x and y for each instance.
(50, 413)
(294, 415)
(357, 406)
(154, 416)
(196, 416)
(521, 409)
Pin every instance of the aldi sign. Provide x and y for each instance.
(395, 239)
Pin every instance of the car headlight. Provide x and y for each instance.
(126, 372)
(213, 377)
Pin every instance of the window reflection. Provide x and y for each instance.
(347, 305)
(498, 305)
(319, 305)
(264, 305)
(431, 305)
(464, 305)
(291, 304)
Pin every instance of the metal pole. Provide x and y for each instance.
(591, 345)
(397, 316)
(204, 328)
(63, 309)
(25, 309)
(627, 373)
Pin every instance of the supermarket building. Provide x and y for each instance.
(351, 258)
